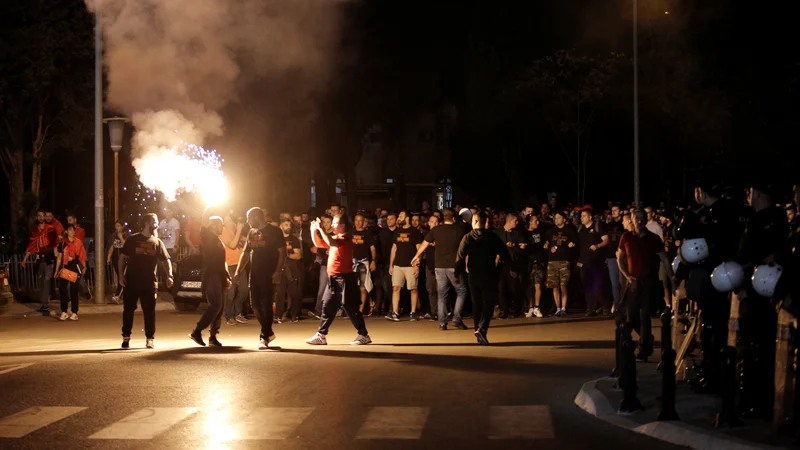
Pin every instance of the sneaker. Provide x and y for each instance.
(393, 317)
(529, 314)
(481, 338)
(276, 320)
(231, 322)
(64, 316)
(339, 313)
(213, 342)
(537, 312)
(460, 326)
(73, 316)
(362, 340)
(150, 344)
(45, 312)
(197, 337)
(427, 316)
(443, 327)
(115, 299)
(317, 339)
(314, 315)
(414, 317)
(295, 320)
(591, 314)
(240, 318)
(263, 344)
(126, 342)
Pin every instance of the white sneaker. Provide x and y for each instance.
(537, 312)
(362, 340)
(318, 339)
(74, 316)
(150, 344)
(496, 312)
(241, 319)
(64, 316)
(529, 313)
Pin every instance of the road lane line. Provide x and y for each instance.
(13, 367)
(520, 422)
(25, 422)
(145, 424)
(268, 423)
(394, 422)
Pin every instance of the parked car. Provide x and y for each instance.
(187, 285)
(6, 296)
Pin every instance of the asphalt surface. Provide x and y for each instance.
(68, 385)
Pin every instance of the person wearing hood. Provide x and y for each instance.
(478, 255)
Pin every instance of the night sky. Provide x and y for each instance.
(718, 95)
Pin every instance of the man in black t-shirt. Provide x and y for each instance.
(615, 229)
(405, 242)
(215, 280)
(265, 251)
(445, 239)
(289, 287)
(383, 279)
(137, 268)
(593, 240)
(510, 287)
(364, 255)
(537, 258)
(559, 241)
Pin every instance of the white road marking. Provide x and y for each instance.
(145, 424)
(25, 422)
(13, 367)
(520, 422)
(268, 423)
(394, 422)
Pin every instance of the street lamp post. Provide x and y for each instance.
(99, 225)
(636, 187)
(116, 129)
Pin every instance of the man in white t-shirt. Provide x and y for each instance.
(168, 231)
(653, 225)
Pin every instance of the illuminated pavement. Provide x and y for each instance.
(66, 385)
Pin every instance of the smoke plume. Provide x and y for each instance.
(174, 65)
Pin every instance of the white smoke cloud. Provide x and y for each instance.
(173, 65)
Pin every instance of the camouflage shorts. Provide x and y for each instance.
(557, 274)
(538, 273)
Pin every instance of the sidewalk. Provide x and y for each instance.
(163, 303)
(697, 412)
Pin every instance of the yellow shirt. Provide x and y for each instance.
(231, 256)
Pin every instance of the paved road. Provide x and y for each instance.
(67, 385)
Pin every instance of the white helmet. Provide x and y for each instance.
(676, 263)
(765, 278)
(694, 250)
(727, 276)
(466, 214)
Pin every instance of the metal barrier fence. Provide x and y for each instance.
(23, 279)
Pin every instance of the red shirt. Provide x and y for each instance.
(641, 253)
(340, 257)
(73, 250)
(80, 233)
(43, 239)
(193, 227)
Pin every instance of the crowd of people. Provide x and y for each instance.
(424, 265)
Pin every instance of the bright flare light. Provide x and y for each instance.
(189, 168)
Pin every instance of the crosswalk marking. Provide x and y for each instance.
(25, 422)
(520, 422)
(268, 423)
(394, 422)
(144, 424)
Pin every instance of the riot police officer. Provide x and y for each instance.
(721, 224)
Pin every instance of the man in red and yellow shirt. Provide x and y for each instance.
(42, 245)
(342, 286)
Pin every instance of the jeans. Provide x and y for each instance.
(262, 294)
(290, 289)
(509, 292)
(236, 294)
(215, 294)
(45, 277)
(445, 278)
(115, 266)
(147, 296)
(639, 304)
(484, 297)
(69, 291)
(592, 277)
(433, 291)
(342, 289)
(323, 284)
(616, 279)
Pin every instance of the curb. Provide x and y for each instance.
(591, 400)
(19, 309)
